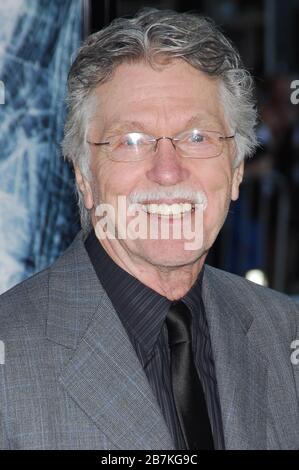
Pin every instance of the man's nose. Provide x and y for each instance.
(167, 167)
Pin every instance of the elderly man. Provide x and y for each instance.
(129, 341)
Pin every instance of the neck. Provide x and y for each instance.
(172, 282)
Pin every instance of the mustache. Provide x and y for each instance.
(188, 194)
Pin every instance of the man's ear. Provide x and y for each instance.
(84, 187)
(238, 173)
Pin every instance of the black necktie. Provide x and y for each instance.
(187, 389)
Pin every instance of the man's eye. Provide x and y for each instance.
(130, 140)
(196, 138)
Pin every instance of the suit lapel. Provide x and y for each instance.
(104, 375)
(240, 370)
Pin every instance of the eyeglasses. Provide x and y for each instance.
(135, 146)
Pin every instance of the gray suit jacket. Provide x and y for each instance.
(72, 380)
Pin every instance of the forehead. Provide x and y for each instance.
(170, 95)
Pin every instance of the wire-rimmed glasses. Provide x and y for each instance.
(135, 146)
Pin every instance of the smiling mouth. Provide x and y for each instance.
(176, 210)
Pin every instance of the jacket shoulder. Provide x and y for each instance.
(27, 302)
(268, 305)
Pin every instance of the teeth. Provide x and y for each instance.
(168, 209)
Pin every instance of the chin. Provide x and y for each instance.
(165, 253)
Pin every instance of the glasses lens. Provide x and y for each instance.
(130, 147)
(199, 144)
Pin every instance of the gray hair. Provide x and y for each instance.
(152, 34)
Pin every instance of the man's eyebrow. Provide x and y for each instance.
(125, 126)
(201, 118)
(129, 126)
